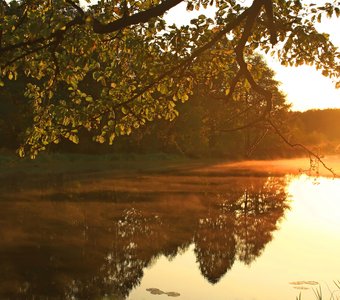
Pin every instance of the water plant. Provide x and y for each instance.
(334, 294)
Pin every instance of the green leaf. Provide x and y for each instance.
(319, 17)
(325, 73)
(101, 139)
(21, 152)
(125, 110)
(111, 138)
(74, 138)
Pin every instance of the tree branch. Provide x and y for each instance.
(256, 142)
(138, 18)
(28, 53)
(98, 27)
(189, 59)
(268, 6)
(254, 12)
(236, 22)
(233, 84)
(57, 33)
(301, 146)
(76, 7)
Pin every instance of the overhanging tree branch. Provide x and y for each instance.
(301, 146)
(184, 63)
(76, 7)
(189, 59)
(253, 13)
(58, 33)
(138, 18)
(268, 5)
(97, 26)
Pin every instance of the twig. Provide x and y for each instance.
(76, 7)
(301, 146)
(256, 142)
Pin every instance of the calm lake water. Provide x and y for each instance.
(184, 235)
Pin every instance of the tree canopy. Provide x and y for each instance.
(115, 65)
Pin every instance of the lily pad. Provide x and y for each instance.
(155, 291)
(173, 294)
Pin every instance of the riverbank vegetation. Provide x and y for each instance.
(114, 69)
(204, 128)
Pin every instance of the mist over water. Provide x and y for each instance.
(190, 234)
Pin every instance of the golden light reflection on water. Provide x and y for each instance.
(189, 235)
(303, 256)
(319, 203)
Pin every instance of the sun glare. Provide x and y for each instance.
(305, 87)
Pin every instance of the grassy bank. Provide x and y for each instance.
(84, 163)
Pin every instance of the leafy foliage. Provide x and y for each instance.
(142, 68)
(207, 123)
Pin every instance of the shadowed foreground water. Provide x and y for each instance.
(158, 236)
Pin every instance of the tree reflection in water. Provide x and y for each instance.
(91, 249)
(240, 228)
(123, 265)
(215, 246)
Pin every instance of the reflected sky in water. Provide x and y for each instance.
(302, 255)
(200, 237)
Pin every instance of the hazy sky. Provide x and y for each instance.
(305, 87)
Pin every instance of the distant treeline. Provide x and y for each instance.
(195, 133)
(202, 129)
(320, 128)
(192, 135)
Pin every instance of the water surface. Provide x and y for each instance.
(189, 235)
